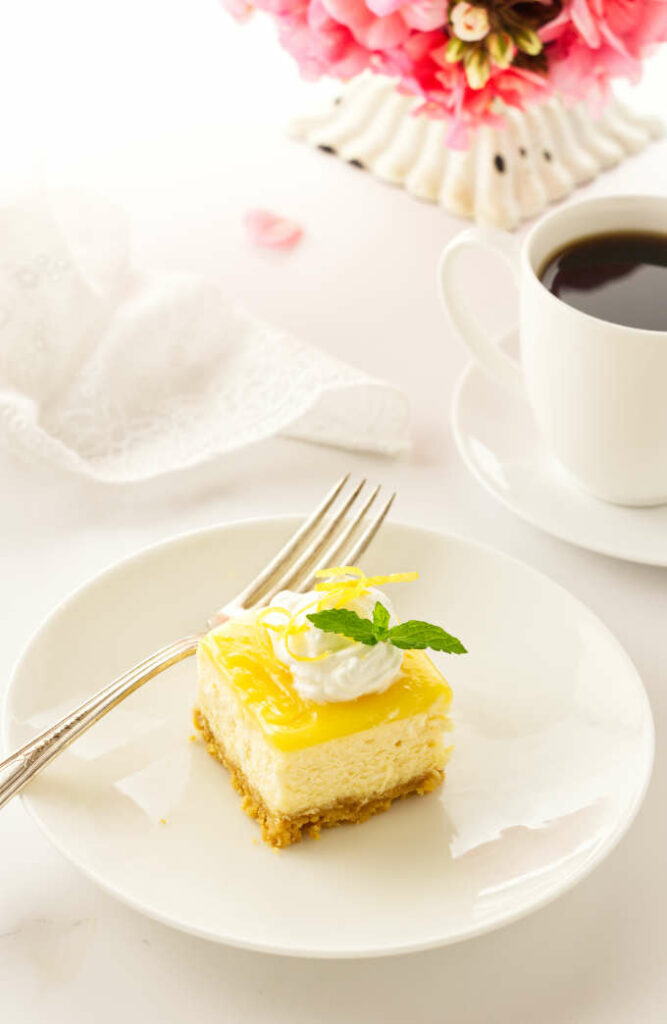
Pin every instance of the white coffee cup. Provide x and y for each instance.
(598, 390)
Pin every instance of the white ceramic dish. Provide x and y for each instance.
(554, 745)
(499, 442)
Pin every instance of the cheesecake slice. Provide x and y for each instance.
(302, 764)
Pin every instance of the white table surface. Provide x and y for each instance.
(178, 115)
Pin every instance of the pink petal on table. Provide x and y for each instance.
(271, 231)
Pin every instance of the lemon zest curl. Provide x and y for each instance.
(341, 585)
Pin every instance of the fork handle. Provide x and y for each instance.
(26, 762)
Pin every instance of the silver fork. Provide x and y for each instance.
(319, 543)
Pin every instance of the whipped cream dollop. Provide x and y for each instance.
(350, 669)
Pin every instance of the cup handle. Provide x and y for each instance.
(457, 306)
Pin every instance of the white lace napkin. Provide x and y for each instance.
(120, 374)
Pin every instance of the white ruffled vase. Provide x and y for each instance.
(504, 177)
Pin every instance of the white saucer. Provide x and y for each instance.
(554, 745)
(498, 439)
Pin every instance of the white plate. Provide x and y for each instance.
(554, 744)
(498, 439)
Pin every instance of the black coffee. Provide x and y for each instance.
(620, 277)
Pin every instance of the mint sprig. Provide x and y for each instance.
(415, 635)
(346, 623)
(380, 620)
(410, 635)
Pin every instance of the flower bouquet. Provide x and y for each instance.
(469, 69)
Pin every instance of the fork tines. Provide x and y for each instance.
(337, 533)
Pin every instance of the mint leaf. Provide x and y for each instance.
(346, 623)
(416, 635)
(412, 635)
(380, 620)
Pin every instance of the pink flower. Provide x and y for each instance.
(321, 45)
(593, 41)
(585, 46)
(271, 231)
(425, 15)
(372, 31)
(238, 9)
(469, 23)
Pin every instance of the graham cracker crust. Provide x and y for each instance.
(280, 831)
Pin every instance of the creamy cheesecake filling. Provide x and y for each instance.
(358, 765)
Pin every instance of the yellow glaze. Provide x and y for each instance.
(242, 653)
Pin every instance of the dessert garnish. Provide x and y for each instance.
(413, 635)
(343, 585)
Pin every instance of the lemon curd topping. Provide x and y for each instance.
(241, 649)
